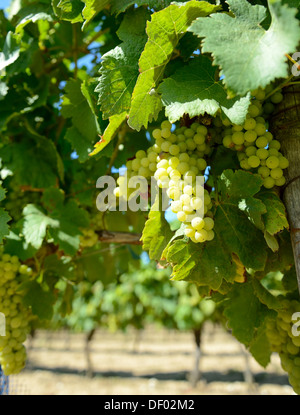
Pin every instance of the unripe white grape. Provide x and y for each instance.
(198, 223)
(283, 162)
(208, 223)
(276, 173)
(156, 133)
(166, 124)
(272, 162)
(249, 124)
(201, 235)
(140, 154)
(189, 231)
(269, 182)
(181, 216)
(196, 203)
(176, 206)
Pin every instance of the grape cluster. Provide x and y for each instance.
(89, 238)
(257, 149)
(17, 316)
(285, 342)
(17, 199)
(175, 160)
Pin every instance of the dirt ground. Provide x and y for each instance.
(158, 363)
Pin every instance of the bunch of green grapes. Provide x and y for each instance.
(175, 160)
(17, 199)
(257, 149)
(286, 342)
(17, 316)
(89, 238)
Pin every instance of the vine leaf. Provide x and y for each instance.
(70, 10)
(260, 347)
(4, 217)
(92, 7)
(40, 300)
(164, 32)
(120, 69)
(235, 214)
(109, 133)
(61, 221)
(81, 135)
(194, 90)
(275, 218)
(156, 233)
(205, 264)
(10, 50)
(31, 14)
(249, 56)
(244, 311)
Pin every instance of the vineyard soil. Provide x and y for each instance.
(157, 363)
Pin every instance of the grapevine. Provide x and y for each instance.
(12, 350)
(168, 93)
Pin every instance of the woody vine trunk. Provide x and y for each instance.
(285, 125)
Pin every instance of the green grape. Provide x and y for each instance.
(259, 94)
(181, 216)
(250, 136)
(12, 352)
(262, 153)
(236, 127)
(272, 162)
(269, 182)
(201, 235)
(238, 137)
(263, 171)
(260, 129)
(208, 223)
(250, 151)
(249, 124)
(140, 154)
(283, 162)
(276, 98)
(253, 161)
(261, 142)
(275, 144)
(227, 141)
(199, 138)
(276, 173)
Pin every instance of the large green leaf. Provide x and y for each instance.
(205, 264)
(32, 13)
(70, 10)
(10, 50)
(194, 90)
(61, 220)
(111, 130)
(156, 233)
(92, 7)
(120, 69)
(45, 161)
(39, 299)
(248, 55)
(244, 312)
(275, 218)
(85, 129)
(164, 32)
(234, 215)
(119, 6)
(4, 218)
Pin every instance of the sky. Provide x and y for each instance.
(4, 4)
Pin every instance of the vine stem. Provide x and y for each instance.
(75, 49)
(285, 125)
(282, 85)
